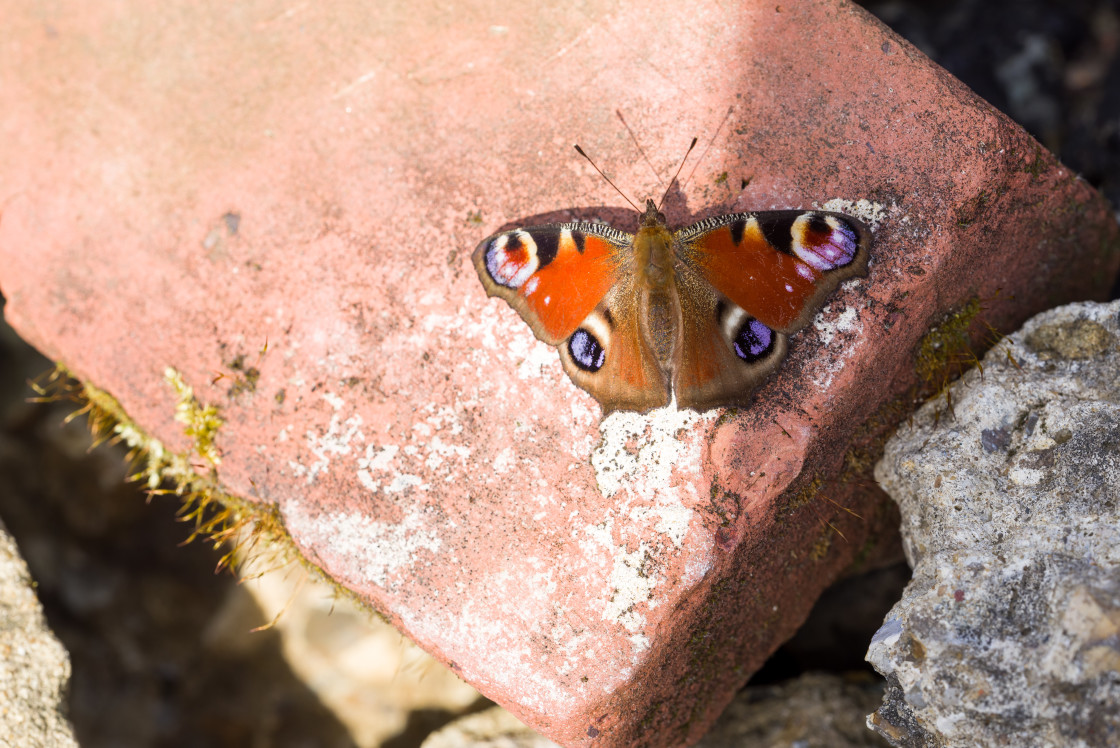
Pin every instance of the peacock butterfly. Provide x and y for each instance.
(701, 314)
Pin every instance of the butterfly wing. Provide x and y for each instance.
(747, 280)
(573, 284)
(725, 353)
(553, 275)
(778, 266)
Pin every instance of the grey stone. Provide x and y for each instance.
(815, 710)
(1009, 632)
(34, 667)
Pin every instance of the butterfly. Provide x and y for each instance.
(702, 314)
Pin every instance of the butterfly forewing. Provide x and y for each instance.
(778, 266)
(553, 275)
(574, 285)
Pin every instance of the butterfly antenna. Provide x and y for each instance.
(708, 147)
(683, 160)
(638, 145)
(604, 176)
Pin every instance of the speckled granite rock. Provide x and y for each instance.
(1009, 633)
(34, 667)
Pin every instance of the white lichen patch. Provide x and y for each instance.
(336, 440)
(536, 359)
(669, 520)
(427, 452)
(439, 452)
(871, 213)
(846, 331)
(649, 465)
(631, 581)
(641, 451)
(844, 323)
(374, 551)
(632, 584)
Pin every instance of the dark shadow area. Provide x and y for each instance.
(1053, 67)
(156, 659)
(835, 636)
(423, 722)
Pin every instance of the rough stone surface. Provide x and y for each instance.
(34, 667)
(310, 218)
(1009, 632)
(816, 710)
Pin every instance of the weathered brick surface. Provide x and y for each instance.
(610, 585)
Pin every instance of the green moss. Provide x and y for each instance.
(201, 422)
(806, 493)
(947, 347)
(251, 531)
(823, 543)
(1037, 164)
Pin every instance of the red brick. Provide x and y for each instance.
(427, 452)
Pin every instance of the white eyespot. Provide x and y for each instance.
(547, 299)
(531, 286)
(732, 318)
(597, 325)
(789, 288)
(512, 271)
(805, 271)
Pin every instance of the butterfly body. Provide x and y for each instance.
(702, 314)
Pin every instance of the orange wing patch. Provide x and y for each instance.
(554, 276)
(562, 293)
(771, 286)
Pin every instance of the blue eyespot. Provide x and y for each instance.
(586, 350)
(754, 341)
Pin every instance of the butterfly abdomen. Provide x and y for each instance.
(656, 283)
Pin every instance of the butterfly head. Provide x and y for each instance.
(652, 216)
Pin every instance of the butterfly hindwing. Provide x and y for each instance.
(778, 266)
(725, 353)
(609, 357)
